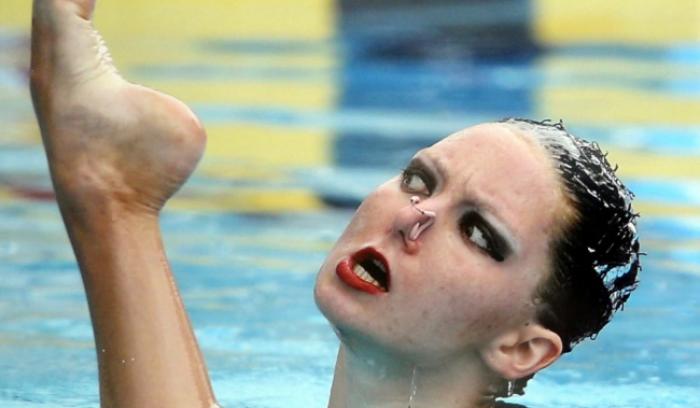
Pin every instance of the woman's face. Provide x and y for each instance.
(466, 278)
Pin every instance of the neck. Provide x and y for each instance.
(386, 382)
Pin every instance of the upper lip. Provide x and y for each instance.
(371, 253)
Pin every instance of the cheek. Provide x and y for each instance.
(374, 212)
(474, 306)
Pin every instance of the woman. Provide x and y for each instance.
(496, 250)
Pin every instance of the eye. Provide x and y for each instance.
(417, 181)
(475, 230)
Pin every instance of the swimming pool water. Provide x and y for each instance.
(305, 119)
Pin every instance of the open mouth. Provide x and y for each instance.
(366, 270)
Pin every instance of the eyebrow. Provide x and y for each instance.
(431, 162)
(482, 207)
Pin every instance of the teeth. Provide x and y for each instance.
(364, 275)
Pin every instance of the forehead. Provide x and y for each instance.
(505, 168)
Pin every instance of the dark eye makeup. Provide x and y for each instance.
(417, 169)
(479, 232)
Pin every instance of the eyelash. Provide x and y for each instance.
(425, 178)
(466, 224)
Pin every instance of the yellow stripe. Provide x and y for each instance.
(249, 200)
(650, 209)
(670, 245)
(178, 19)
(262, 146)
(16, 14)
(201, 18)
(270, 19)
(652, 165)
(605, 105)
(621, 21)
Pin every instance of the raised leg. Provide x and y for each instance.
(117, 152)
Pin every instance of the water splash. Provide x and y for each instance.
(412, 396)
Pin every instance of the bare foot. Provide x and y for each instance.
(108, 142)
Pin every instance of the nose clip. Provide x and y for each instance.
(419, 227)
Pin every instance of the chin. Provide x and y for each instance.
(358, 318)
(351, 318)
(338, 305)
(328, 297)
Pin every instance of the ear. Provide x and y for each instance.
(522, 351)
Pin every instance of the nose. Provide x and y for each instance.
(411, 222)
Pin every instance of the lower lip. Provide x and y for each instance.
(345, 273)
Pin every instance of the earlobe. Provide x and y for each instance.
(523, 351)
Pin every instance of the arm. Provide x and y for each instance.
(117, 152)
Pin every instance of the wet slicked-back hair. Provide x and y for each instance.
(595, 258)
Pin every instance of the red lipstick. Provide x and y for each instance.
(366, 270)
